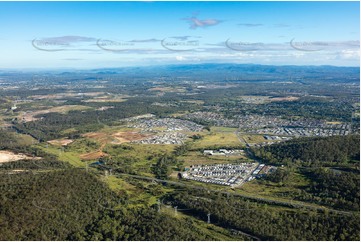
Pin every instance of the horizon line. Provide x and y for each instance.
(170, 64)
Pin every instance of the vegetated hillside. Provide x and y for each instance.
(335, 188)
(335, 149)
(10, 140)
(268, 222)
(74, 205)
(338, 189)
(143, 225)
(48, 205)
(331, 165)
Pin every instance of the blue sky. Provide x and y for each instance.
(115, 34)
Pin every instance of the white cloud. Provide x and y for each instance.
(180, 58)
(197, 23)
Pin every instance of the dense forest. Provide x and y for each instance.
(333, 187)
(331, 165)
(311, 151)
(336, 188)
(268, 222)
(141, 225)
(74, 205)
(48, 205)
(8, 140)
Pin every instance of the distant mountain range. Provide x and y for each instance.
(234, 71)
(228, 67)
(214, 71)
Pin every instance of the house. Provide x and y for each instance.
(208, 152)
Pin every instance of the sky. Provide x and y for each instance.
(80, 35)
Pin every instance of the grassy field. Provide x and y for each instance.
(287, 190)
(141, 151)
(67, 108)
(167, 89)
(30, 116)
(197, 158)
(66, 156)
(252, 189)
(139, 193)
(24, 139)
(217, 139)
(253, 138)
(139, 156)
(223, 129)
(117, 184)
(68, 131)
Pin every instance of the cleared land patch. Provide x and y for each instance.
(128, 136)
(8, 156)
(120, 137)
(167, 89)
(280, 99)
(62, 142)
(106, 99)
(65, 95)
(101, 137)
(219, 139)
(266, 99)
(93, 155)
(254, 139)
(30, 116)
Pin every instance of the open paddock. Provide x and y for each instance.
(219, 139)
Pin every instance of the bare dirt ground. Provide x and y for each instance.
(93, 155)
(16, 171)
(266, 99)
(62, 142)
(167, 89)
(105, 100)
(128, 136)
(108, 98)
(66, 94)
(105, 108)
(277, 99)
(116, 138)
(30, 116)
(8, 156)
(101, 137)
